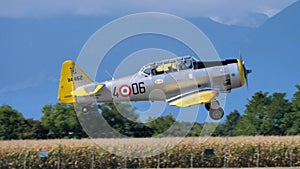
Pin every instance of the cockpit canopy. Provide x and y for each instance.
(168, 66)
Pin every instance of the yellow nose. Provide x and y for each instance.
(242, 72)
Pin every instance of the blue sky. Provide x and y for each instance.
(37, 36)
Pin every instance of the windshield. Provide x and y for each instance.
(168, 66)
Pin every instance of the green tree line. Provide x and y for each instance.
(265, 114)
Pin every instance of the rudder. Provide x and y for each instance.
(70, 74)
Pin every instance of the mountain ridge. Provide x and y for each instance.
(276, 45)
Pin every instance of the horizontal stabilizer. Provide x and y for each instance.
(81, 91)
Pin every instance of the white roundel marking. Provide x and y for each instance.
(125, 90)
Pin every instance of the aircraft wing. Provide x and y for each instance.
(193, 98)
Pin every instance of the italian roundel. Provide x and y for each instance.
(125, 90)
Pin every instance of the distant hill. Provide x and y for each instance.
(226, 39)
(276, 43)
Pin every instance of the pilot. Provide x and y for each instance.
(153, 71)
(182, 65)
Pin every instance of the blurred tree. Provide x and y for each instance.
(11, 123)
(275, 111)
(195, 130)
(291, 121)
(227, 127)
(122, 117)
(251, 121)
(161, 124)
(178, 129)
(264, 115)
(118, 115)
(33, 129)
(60, 121)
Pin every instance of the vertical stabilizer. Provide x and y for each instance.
(71, 77)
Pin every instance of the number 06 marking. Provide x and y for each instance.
(138, 88)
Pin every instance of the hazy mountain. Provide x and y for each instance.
(226, 39)
(254, 20)
(250, 19)
(274, 50)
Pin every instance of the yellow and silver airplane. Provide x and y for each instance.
(182, 82)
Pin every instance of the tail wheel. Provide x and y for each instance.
(85, 109)
(216, 114)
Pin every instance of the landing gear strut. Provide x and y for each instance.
(215, 111)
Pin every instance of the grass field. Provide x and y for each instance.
(230, 152)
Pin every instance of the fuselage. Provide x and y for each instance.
(166, 79)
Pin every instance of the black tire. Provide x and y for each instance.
(207, 106)
(216, 114)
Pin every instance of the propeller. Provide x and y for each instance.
(246, 71)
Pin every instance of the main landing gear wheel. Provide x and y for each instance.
(215, 111)
(216, 114)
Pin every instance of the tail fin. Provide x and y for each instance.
(71, 76)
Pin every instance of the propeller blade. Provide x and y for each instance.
(246, 71)
(241, 58)
(247, 83)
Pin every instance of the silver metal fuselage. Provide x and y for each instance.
(161, 87)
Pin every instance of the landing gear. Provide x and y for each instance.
(215, 111)
(90, 108)
(85, 109)
(207, 106)
(216, 114)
